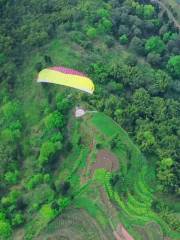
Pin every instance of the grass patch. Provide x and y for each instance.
(104, 124)
(92, 208)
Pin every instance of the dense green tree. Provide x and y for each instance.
(47, 213)
(104, 25)
(12, 177)
(11, 111)
(139, 8)
(123, 39)
(155, 44)
(131, 60)
(63, 202)
(109, 41)
(174, 65)
(167, 36)
(7, 156)
(62, 103)
(154, 59)
(165, 173)
(123, 30)
(149, 11)
(91, 32)
(146, 140)
(5, 229)
(12, 133)
(56, 137)
(48, 149)
(137, 32)
(161, 84)
(54, 120)
(103, 13)
(34, 180)
(18, 219)
(11, 198)
(173, 46)
(114, 87)
(99, 71)
(136, 45)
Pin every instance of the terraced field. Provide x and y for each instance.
(135, 209)
(74, 224)
(96, 208)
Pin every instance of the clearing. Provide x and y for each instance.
(106, 160)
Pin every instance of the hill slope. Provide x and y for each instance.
(90, 168)
(88, 171)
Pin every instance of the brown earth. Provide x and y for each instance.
(105, 160)
(85, 178)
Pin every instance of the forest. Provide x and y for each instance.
(131, 51)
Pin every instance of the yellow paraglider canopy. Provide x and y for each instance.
(67, 77)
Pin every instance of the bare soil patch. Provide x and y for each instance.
(106, 160)
(84, 177)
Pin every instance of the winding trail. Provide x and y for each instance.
(170, 15)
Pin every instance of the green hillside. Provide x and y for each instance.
(129, 203)
(115, 171)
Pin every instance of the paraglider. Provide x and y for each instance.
(67, 77)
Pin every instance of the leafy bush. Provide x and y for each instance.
(91, 32)
(18, 219)
(5, 229)
(47, 213)
(54, 120)
(12, 177)
(174, 65)
(123, 39)
(34, 181)
(155, 44)
(48, 149)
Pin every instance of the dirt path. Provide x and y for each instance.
(111, 210)
(170, 15)
(122, 234)
(84, 176)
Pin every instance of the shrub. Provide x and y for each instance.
(155, 44)
(12, 177)
(5, 229)
(123, 39)
(91, 32)
(174, 65)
